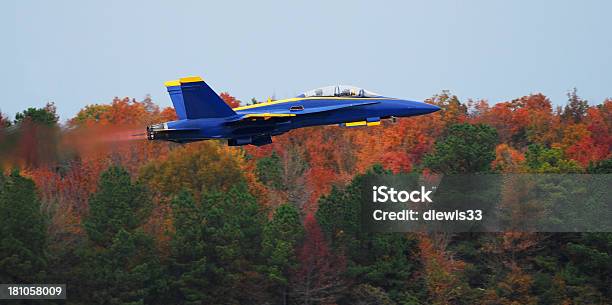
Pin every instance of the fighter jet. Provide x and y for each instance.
(203, 115)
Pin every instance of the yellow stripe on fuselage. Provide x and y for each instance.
(297, 99)
(358, 123)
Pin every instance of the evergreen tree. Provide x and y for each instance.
(279, 239)
(576, 108)
(590, 265)
(187, 258)
(601, 167)
(216, 249)
(23, 231)
(465, 148)
(44, 116)
(384, 260)
(118, 204)
(270, 171)
(120, 262)
(232, 228)
(37, 136)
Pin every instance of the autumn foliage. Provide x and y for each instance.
(202, 197)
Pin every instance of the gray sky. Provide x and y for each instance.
(80, 52)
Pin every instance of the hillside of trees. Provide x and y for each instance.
(124, 221)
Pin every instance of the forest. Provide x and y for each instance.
(128, 221)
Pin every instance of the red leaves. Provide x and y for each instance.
(586, 150)
(318, 278)
(397, 162)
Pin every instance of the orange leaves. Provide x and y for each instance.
(120, 112)
(440, 268)
(578, 144)
(500, 117)
(168, 114)
(229, 100)
(406, 141)
(525, 119)
(319, 182)
(508, 159)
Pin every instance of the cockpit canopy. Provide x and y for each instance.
(340, 90)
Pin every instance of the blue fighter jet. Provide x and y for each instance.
(202, 114)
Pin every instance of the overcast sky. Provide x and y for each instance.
(80, 52)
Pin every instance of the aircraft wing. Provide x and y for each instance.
(286, 114)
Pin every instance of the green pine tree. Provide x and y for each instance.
(465, 148)
(280, 237)
(119, 265)
(118, 204)
(270, 171)
(232, 230)
(601, 167)
(23, 231)
(216, 248)
(384, 260)
(188, 260)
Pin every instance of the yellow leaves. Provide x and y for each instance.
(198, 167)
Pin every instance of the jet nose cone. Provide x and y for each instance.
(410, 108)
(424, 108)
(429, 108)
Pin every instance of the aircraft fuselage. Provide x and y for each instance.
(204, 115)
(220, 128)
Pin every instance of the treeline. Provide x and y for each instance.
(136, 222)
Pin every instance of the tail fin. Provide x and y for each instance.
(194, 99)
(176, 95)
